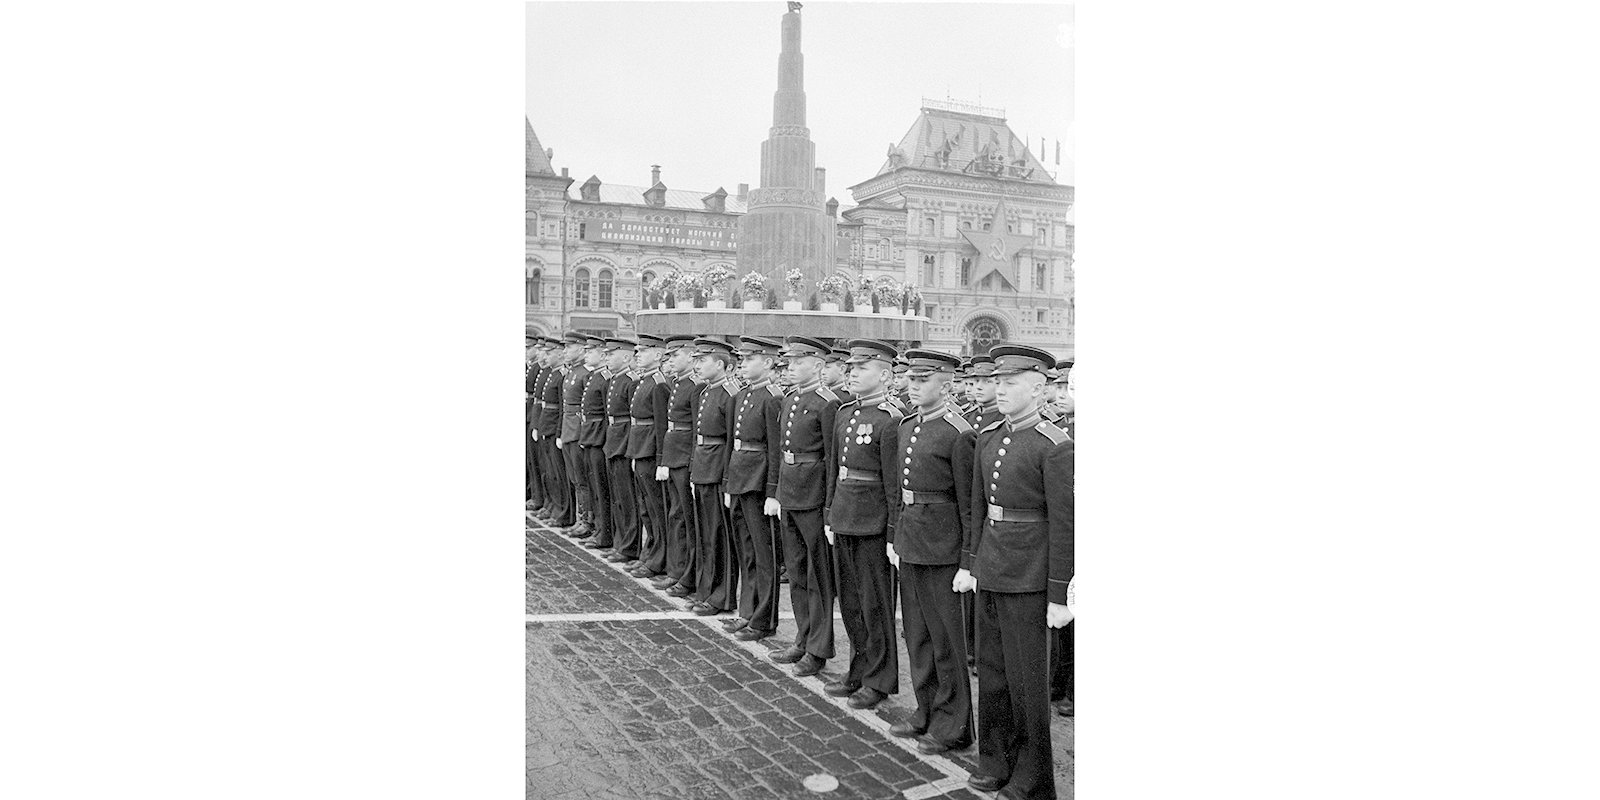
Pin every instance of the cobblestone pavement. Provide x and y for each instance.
(630, 697)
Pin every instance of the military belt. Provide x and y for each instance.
(848, 474)
(998, 514)
(709, 439)
(749, 447)
(649, 421)
(588, 418)
(911, 498)
(617, 420)
(800, 458)
(679, 426)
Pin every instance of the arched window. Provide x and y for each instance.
(647, 278)
(1041, 277)
(927, 226)
(580, 288)
(966, 272)
(534, 281)
(929, 271)
(966, 224)
(1044, 235)
(605, 288)
(982, 334)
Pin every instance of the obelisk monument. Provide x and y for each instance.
(786, 226)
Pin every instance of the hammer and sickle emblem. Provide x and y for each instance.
(997, 251)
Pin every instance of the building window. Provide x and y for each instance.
(929, 311)
(534, 280)
(927, 226)
(531, 227)
(1041, 278)
(583, 228)
(966, 224)
(1044, 235)
(1039, 316)
(986, 226)
(982, 334)
(966, 272)
(580, 288)
(929, 271)
(605, 288)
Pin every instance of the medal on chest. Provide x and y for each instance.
(864, 433)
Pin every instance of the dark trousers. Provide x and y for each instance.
(1061, 661)
(652, 496)
(1014, 693)
(624, 509)
(531, 468)
(866, 601)
(758, 561)
(557, 490)
(969, 616)
(810, 562)
(680, 527)
(717, 557)
(594, 460)
(577, 477)
(936, 644)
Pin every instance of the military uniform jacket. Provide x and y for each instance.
(935, 465)
(594, 408)
(806, 449)
(648, 408)
(678, 442)
(531, 383)
(1025, 468)
(572, 401)
(982, 416)
(619, 414)
(753, 436)
(713, 413)
(845, 395)
(866, 438)
(549, 406)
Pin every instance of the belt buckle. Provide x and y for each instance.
(738, 444)
(844, 472)
(788, 457)
(906, 496)
(997, 514)
(699, 439)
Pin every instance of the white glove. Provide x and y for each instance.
(661, 473)
(727, 500)
(534, 433)
(964, 582)
(1057, 615)
(894, 558)
(771, 507)
(827, 530)
(558, 445)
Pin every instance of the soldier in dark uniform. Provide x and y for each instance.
(803, 489)
(547, 408)
(592, 441)
(899, 392)
(861, 516)
(836, 374)
(1018, 558)
(531, 374)
(784, 379)
(672, 467)
(571, 427)
(716, 555)
(935, 482)
(1061, 642)
(648, 412)
(619, 473)
(750, 484)
(983, 413)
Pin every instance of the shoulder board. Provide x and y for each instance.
(991, 426)
(1053, 433)
(725, 390)
(958, 422)
(827, 394)
(773, 390)
(696, 380)
(892, 408)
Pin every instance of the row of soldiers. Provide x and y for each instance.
(712, 468)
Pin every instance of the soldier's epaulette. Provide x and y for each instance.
(774, 390)
(893, 409)
(827, 394)
(991, 426)
(958, 422)
(1053, 433)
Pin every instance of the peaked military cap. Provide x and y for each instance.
(594, 341)
(551, 341)
(804, 346)
(927, 362)
(837, 355)
(982, 366)
(1010, 359)
(901, 364)
(679, 340)
(573, 337)
(706, 345)
(1062, 370)
(619, 343)
(650, 340)
(756, 345)
(864, 350)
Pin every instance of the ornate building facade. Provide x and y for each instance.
(960, 208)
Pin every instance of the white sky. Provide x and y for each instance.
(614, 87)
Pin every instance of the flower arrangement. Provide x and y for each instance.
(685, 284)
(833, 288)
(715, 278)
(754, 285)
(794, 279)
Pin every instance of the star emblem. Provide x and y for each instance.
(997, 249)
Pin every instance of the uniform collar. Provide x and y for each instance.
(1028, 420)
(937, 413)
(806, 387)
(873, 399)
(761, 384)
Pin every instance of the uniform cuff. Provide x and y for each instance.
(1058, 592)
